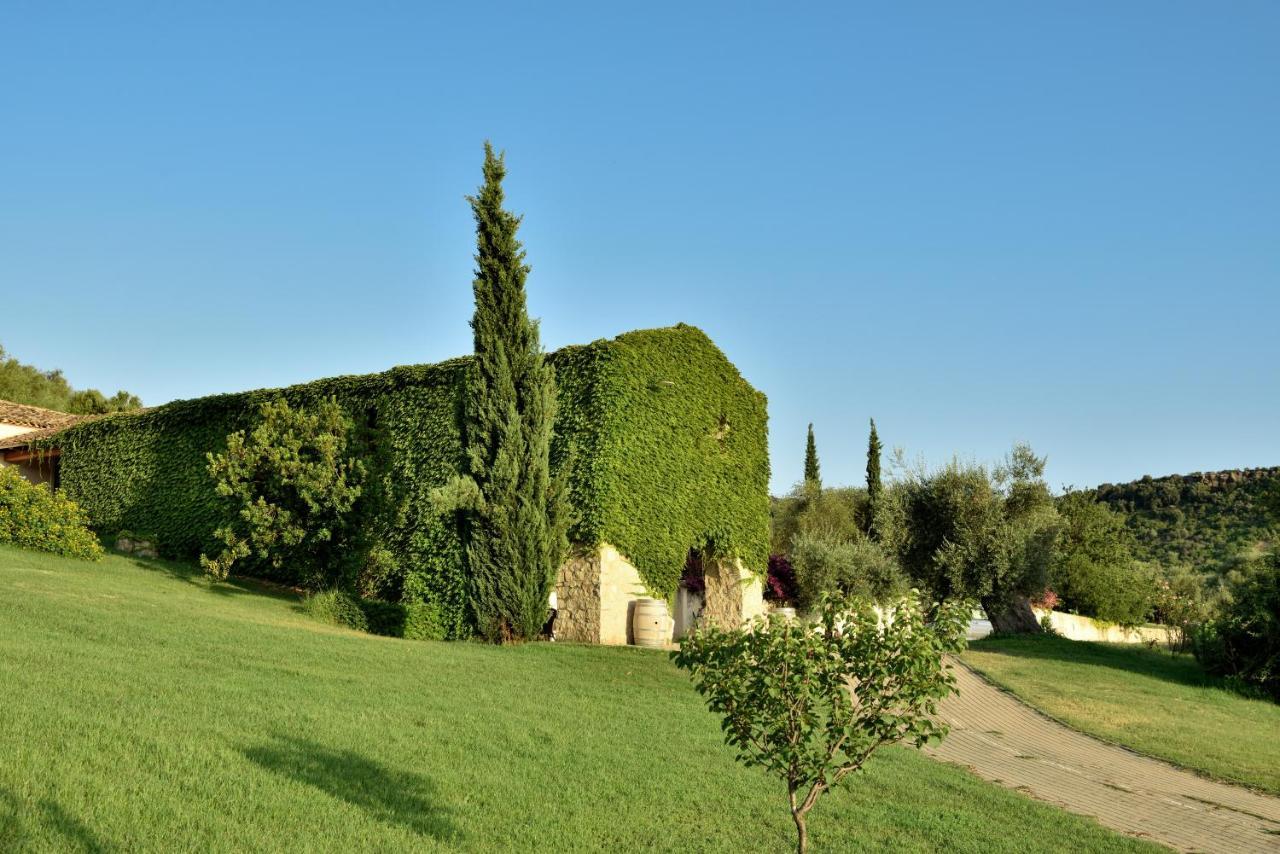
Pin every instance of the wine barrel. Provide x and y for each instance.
(650, 624)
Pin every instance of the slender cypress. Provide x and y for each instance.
(874, 487)
(812, 475)
(516, 532)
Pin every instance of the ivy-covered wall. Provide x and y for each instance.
(665, 443)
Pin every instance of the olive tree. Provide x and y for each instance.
(810, 702)
(964, 531)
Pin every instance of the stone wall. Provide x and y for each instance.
(1076, 627)
(733, 596)
(595, 592)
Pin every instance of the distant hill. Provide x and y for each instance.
(1203, 520)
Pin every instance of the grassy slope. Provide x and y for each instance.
(1148, 700)
(144, 710)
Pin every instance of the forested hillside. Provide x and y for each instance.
(21, 383)
(1203, 520)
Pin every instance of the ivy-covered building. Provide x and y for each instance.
(663, 442)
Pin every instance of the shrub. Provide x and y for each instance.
(292, 487)
(780, 583)
(337, 608)
(422, 621)
(409, 620)
(810, 704)
(32, 516)
(848, 567)
(1243, 643)
(1094, 571)
(1180, 603)
(1116, 593)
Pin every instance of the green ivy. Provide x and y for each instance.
(665, 442)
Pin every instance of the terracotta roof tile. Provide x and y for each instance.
(35, 417)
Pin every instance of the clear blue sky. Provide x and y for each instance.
(977, 222)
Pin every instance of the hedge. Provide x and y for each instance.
(664, 441)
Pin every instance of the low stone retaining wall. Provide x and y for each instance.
(1076, 627)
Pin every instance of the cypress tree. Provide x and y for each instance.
(874, 487)
(812, 476)
(516, 531)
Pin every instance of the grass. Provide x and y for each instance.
(145, 710)
(1149, 700)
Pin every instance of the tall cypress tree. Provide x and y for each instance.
(812, 475)
(874, 487)
(516, 531)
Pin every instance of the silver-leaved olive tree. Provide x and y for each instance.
(810, 702)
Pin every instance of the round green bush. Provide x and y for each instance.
(32, 516)
(337, 608)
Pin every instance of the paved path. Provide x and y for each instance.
(1003, 740)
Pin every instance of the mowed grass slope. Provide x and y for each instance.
(1149, 700)
(142, 709)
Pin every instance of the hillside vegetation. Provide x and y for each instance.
(148, 710)
(1202, 520)
(22, 383)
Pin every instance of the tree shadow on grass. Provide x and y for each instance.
(15, 832)
(191, 574)
(385, 794)
(1138, 659)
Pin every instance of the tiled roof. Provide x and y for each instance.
(43, 422)
(34, 417)
(21, 440)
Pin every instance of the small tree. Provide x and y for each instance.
(811, 703)
(812, 474)
(874, 487)
(291, 487)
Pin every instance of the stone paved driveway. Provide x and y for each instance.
(1003, 740)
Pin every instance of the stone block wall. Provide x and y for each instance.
(595, 592)
(733, 596)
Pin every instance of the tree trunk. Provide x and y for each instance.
(1012, 615)
(802, 833)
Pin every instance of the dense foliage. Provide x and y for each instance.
(838, 513)
(663, 441)
(516, 519)
(290, 486)
(1094, 571)
(1199, 520)
(848, 567)
(810, 704)
(336, 608)
(21, 383)
(1243, 642)
(32, 516)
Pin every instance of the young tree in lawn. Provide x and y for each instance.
(516, 525)
(810, 704)
(812, 475)
(874, 487)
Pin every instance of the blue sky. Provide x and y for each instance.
(978, 223)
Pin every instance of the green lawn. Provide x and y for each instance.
(1153, 702)
(143, 709)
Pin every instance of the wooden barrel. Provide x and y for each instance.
(650, 625)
